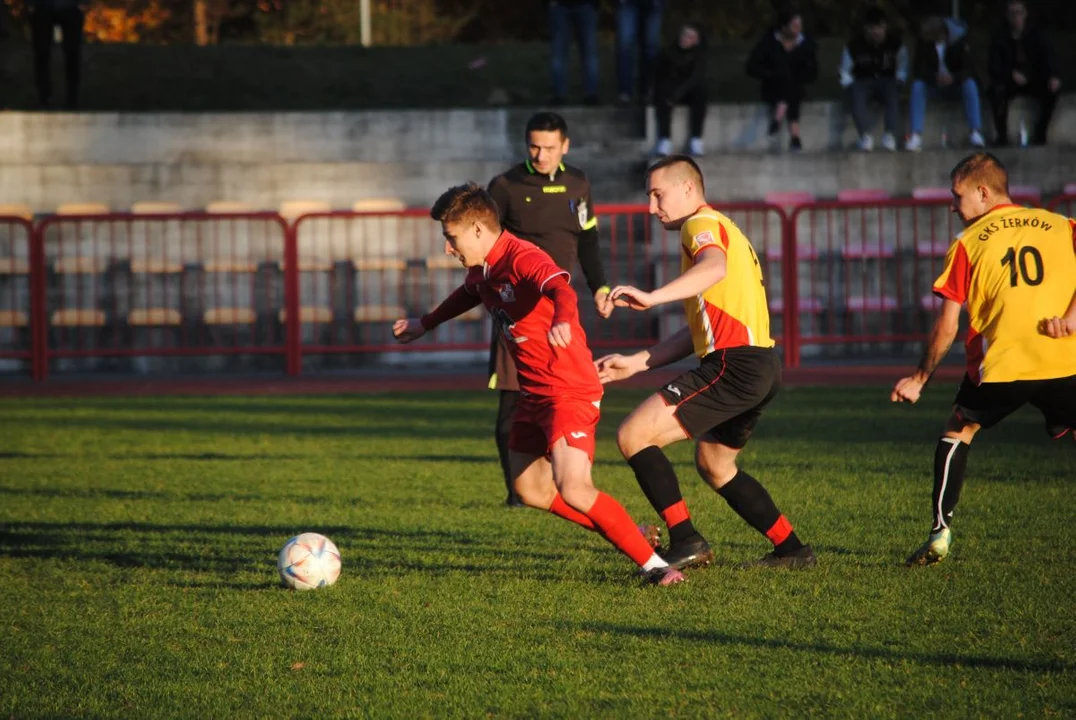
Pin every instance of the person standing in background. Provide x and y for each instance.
(45, 16)
(638, 37)
(581, 18)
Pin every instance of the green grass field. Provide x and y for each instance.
(138, 539)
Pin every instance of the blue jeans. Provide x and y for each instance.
(583, 18)
(631, 17)
(968, 91)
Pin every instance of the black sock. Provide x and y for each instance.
(746, 496)
(950, 460)
(657, 478)
(506, 409)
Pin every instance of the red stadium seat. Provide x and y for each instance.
(862, 195)
(789, 199)
(932, 193)
(871, 303)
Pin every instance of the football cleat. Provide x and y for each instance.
(796, 560)
(663, 576)
(934, 550)
(695, 552)
(652, 533)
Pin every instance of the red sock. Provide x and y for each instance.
(566, 511)
(618, 528)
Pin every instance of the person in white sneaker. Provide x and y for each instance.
(943, 67)
(873, 66)
(680, 79)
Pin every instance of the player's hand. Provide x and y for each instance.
(631, 297)
(612, 368)
(907, 390)
(1057, 327)
(408, 330)
(560, 335)
(1019, 78)
(603, 304)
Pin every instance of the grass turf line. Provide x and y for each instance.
(138, 539)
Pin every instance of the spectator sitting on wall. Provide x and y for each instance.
(873, 66)
(785, 60)
(1020, 63)
(943, 66)
(681, 79)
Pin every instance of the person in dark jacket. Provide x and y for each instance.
(1020, 63)
(874, 65)
(785, 60)
(681, 79)
(943, 67)
(68, 15)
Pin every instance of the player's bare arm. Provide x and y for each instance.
(612, 368)
(709, 269)
(941, 339)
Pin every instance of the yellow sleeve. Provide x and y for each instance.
(701, 233)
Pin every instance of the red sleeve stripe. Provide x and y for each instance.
(958, 281)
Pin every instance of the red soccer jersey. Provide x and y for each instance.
(510, 284)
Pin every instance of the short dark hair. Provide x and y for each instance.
(982, 168)
(546, 122)
(692, 169)
(466, 203)
(874, 16)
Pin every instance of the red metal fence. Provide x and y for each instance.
(82, 291)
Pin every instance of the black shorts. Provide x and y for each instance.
(502, 368)
(989, 403)
(723, 397)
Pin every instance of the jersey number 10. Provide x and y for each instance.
(1016, 262)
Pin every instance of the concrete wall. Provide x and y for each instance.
(265, 158)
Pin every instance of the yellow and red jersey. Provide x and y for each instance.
(1013, 267)
(732, 312)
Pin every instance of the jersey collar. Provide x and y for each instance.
(532, 171)
(500, 246)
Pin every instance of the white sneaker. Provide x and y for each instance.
(694, 147)
(934, 550)
(914, 144)
(663, 147)
(976, 139)
(866, 142)
(889, 142)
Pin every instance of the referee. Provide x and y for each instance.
(548, 203)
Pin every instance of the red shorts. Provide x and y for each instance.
(540, 421)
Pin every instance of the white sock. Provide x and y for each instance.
(655, 561)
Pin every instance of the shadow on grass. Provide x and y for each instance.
(228, 549)
(887, 654)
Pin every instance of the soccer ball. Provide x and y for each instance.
(309, 561)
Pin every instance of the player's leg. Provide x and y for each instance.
(1056, 400)
(506, 408)
(641, 437)
(715, 459)
(572, 476)
(975, 407)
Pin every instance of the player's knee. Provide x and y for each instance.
(715, 470)
(629, 440)
(580, 496)
(535, 496)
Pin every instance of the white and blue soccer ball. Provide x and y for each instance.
(309, 561)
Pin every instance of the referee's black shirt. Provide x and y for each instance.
(555, 212)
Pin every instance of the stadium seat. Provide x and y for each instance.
(803, 252)
(70, 318)
(17, 210)
(805, 305)
(789, 199)
(379, 313)
(14, 318)
(310, 314)
(224, 207)
(155, 208)
(1025, 193)
(855, 195)
(932, 193)
(384, 204)
(443, 262)
(154, 317)
(14, 266)
(292, 209)
(380, 263)
(937, 247)
(867, 249)
(77, 265)
(872, 303)
(229, 316)
(82, 209)
(1069, 189)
